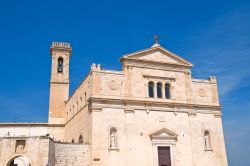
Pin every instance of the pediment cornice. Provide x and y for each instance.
(164, 134)
(167, 57)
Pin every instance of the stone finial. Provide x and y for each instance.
(93, 66)
(96, 67)
(212, 79)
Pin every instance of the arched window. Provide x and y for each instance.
(80, 140)
(167, 91)
(151, 89)
(60, 65)
(159, 89)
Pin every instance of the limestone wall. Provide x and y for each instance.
(139, 78)
(108, 83)
(79, 125)
(216, 155)
(70, 154)
(32, 129)
(79, 99)
(77, 113)
(205, 91)
(22, 130)
(35, 149)
(135, 145)
(41, 151)
(132, 82)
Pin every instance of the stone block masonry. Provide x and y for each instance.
(71, 154)
(41, 151)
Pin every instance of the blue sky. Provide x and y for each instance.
(213, 35)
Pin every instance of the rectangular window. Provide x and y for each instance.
(164, 158)
(20, 146)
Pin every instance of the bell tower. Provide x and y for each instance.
(59, 81)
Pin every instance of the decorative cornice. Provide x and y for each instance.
(146, 62)
(95, 109)
(129, 110)
(153, 49)
(217, 114)
(60, 46)
(125, 101)
(159, 77)
(192, 113)
(57, 82)
(158, 66)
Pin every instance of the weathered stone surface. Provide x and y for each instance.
(189, 122)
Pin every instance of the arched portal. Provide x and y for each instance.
(19, 161)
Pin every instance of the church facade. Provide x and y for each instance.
(151, 113)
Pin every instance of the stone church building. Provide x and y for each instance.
(151, 113)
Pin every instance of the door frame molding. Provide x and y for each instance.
(163, 137)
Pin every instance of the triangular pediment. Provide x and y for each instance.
(164, 134)
(157, 54)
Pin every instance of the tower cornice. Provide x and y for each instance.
(60, 47)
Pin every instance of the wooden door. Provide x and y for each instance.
(164, 157)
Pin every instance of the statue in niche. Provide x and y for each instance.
(113, 138)
(207, 140)
(20, 146)
(60, 65)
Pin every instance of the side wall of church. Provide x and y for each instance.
(77, 120)
(79, 125)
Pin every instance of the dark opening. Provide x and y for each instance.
(167, 91)
(159, 90)
(80, 139)
(164, 157)
(60, 65)
(151, 89)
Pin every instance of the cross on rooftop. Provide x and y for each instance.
(156, 38)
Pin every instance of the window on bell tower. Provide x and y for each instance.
(60, 65)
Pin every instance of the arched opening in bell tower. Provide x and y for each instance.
(60, 65)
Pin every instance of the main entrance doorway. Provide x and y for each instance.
(164, 158)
